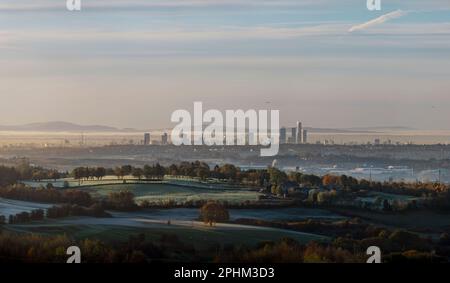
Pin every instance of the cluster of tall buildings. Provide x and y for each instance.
(295, 135)
(147, 139)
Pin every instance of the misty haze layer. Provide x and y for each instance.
(132, 63)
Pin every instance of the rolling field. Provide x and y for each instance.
(166, 192)
(274, 214)
(194, 233)
(179, 191)
(73, 183)
(390, 197)
(112, 180)
(11, 207)
(154, 222)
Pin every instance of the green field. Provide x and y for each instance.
(111, 180)
(166, 192)
(178, 190)
(59, 183)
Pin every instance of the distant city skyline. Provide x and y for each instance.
(76, 127)
(332, 64)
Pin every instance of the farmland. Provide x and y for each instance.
(172, 210)
(177, 191)
(155, 223)
(11, 207)
(166, 192)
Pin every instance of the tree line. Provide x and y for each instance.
(397, 246)
(189, 169)
(24, 217)
(59, 211)
(92, 173)
(11, 175)
(46, 195)
(33, 248)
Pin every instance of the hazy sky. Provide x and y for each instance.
(131, 63)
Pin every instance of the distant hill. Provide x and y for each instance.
(336, 131)
(58, 126)
(382, 129)
(360, 130)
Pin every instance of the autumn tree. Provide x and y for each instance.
(213, 212)
(330, 180)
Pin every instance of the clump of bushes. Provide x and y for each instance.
(122, 201)
(95, 210)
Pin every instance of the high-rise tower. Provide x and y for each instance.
(146, 138)
(283, 135)
(299, 138)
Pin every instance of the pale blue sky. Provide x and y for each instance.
(131, 63)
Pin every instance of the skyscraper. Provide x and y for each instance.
(305, 136)
(299, 138)
(293, 135)
(146, 138)
(283, 135)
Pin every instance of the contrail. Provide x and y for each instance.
(381, 19)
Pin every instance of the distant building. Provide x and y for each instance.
(283, 136)
(305, 136)
(294, 135)
(293, 138)
(377, 141)
(146, 138)
(299, 132)
(164, 139)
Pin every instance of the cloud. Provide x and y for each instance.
(31, 5)
(382, 19)
(171, 34)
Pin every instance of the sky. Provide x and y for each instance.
(329, 64)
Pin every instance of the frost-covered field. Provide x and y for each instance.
(10, 207)
(165, 192)
(59, 183)
(374, 196)
(278, 214)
